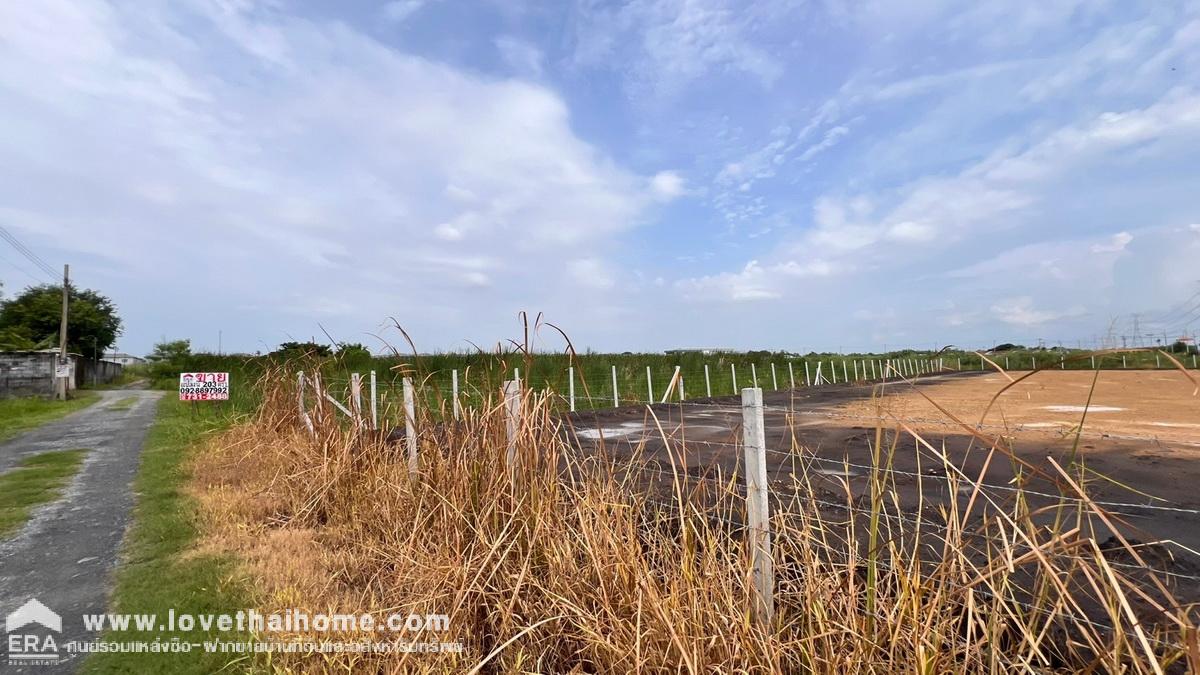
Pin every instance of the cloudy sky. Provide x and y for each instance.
(650, 174)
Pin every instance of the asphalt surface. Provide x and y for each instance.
(65, 555)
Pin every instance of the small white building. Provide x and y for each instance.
(123, 358)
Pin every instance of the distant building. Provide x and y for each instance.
(123, 358)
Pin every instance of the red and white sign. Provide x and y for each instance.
(204, 386)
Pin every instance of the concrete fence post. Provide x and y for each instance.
(807, 379)
(707, 382)
(649, 386)
(616, 399)
(758, 514)
(833, 371)
(374, 402)
(410, 425)
(791, 376)
(356, 397)
(733, 376)
(845, 372)
(774, 382)
(682, 391)
(753, 375)
(571, 386)
(300, 401)
(512, 421)
(454, 392)
(1123, 363)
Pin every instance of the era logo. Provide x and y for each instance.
(27, 647)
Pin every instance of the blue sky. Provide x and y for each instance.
(652, 174)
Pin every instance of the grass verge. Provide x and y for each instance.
(161, 570)
(37, 480)
(22, 414)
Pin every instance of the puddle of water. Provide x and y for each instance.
(1080, 408)
(625, 429)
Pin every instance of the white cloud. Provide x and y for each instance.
(522, 57)
(1115, 244)
(667, 185)
(1021, 312)
(671, 43)
(397, 11)
(318, 163)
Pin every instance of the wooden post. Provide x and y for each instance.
(807, 379)
(774, 383)
(649, 386)
(791, 376)
(753, 375)
(374, 403)
(571, 386)
(616, 399)
(758, 514)
(410, 425)
(671, 385)
(512, 420)
(454, 391)
(707, 382)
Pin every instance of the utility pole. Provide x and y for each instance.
(62, 337)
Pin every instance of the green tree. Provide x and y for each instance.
(33, 319)
(171, 351)
(289, 350)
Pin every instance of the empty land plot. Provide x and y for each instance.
(1137, 453)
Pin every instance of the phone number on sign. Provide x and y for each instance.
(204, 396)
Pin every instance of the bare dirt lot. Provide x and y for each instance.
(1138, 447)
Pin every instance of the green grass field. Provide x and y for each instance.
(37, 480)
(159, 570)
(22, 414)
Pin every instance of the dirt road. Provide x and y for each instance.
(65, 555)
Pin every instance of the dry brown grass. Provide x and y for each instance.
(568, 564)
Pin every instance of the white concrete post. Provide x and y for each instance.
(410, 425)
(1093, 361)
(758, 514)
(833, 371)
(733, 376)
(1034, 359)
(512, 420)
(807, 379)
(1157, 361)
(616, 399)
(300, 402)
(649, 386)
(682, 392)
(774, 382)
(374, 403)
(856, 371)
(454, 392)
(571, 386)
(791, 376)
(753, 375)
(845, 372)
(1123, 364)
(707, 382)
(873, 375)
(356, 397)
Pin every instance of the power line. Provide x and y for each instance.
(24, 250)
(22, 270)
